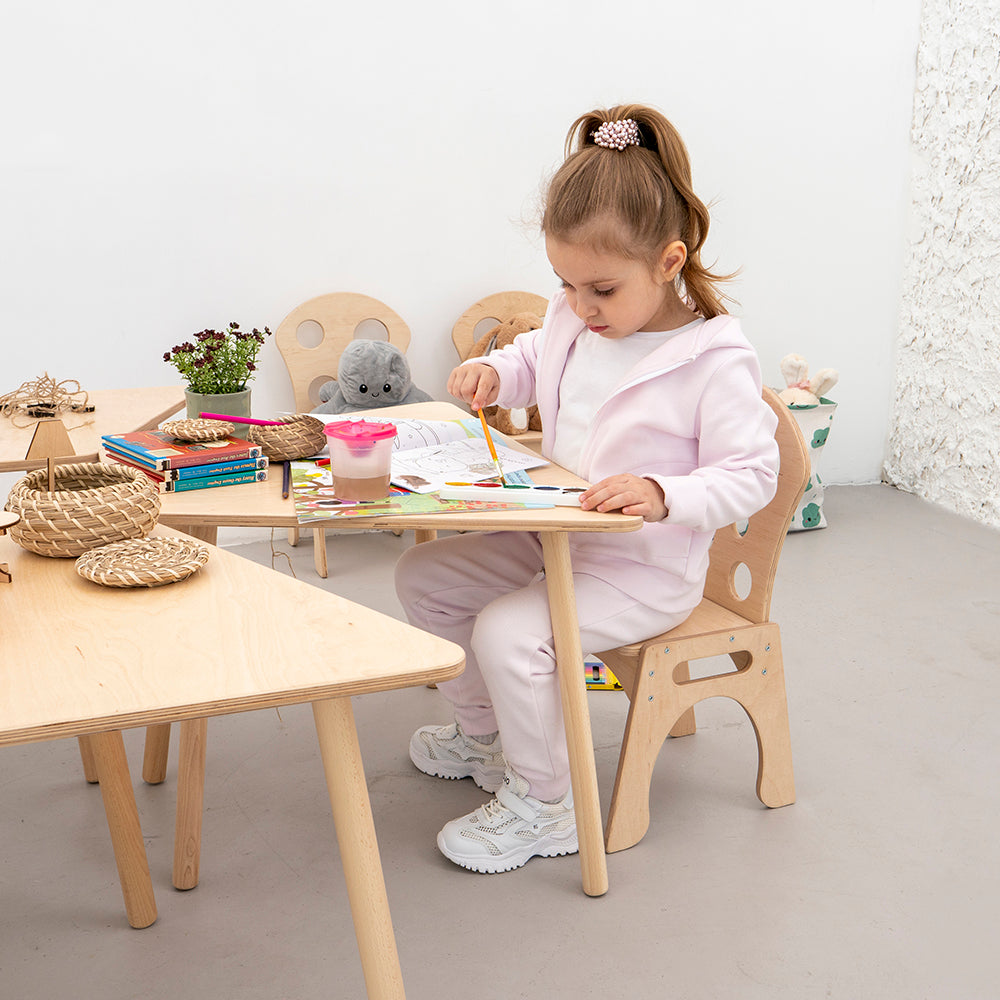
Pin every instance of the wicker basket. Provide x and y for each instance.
(142, 562)
(93, 504)
(198, 430)
(298, 437)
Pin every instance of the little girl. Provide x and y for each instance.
(647, 389)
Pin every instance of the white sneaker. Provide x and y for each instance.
(510, 829)
(448, 752)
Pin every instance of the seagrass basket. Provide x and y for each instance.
(93, 504)
(298, 437)
(142, 562)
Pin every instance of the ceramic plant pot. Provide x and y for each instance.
(232, 404)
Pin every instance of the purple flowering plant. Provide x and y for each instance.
(218, 361)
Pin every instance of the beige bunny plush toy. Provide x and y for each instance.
(802, 390)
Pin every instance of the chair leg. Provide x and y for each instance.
(319, 552)
(154, 758)
(685, 725)
(628, 815)
(657, 707)
(767, 708)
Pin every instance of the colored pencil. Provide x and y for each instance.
(489, 443)
(241, 420)
(286, 476)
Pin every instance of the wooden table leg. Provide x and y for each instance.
(87, 756)
(319, 552)
(123, 823)
(576, 714)
(203, 532)
(156, 753)
(352, 817)
(190, 802)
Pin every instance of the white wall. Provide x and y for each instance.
(945, 435)
(171, 168)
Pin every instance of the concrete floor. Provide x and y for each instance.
(882, 881)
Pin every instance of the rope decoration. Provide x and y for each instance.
(44, 397)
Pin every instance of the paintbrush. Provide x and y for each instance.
(489, 444)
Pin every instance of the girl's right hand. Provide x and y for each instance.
(475, 384)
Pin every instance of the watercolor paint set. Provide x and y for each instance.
(547, 496)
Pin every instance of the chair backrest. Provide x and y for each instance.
(499, 308)
(338, 314)
(755, 545)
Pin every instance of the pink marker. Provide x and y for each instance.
(240, 420)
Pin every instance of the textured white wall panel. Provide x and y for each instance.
(944, 440)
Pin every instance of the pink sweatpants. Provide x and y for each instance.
(487, 593)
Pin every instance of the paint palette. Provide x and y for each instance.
(548, 496)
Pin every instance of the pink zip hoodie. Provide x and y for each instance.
(689, 416)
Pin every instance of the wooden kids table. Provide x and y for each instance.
(201, 512)
(115, 412)
(81, 660)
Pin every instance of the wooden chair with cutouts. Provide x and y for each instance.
(731, 621)
(479, 318)
(311, 339)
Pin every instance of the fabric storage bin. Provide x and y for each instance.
(814, 422)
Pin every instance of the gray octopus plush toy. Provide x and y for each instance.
(371, 373)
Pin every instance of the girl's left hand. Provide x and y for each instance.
(627, 493)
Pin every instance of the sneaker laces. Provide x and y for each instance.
(491, 811)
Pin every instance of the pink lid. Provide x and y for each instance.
(360, 431)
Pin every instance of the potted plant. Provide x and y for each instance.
(217, 368)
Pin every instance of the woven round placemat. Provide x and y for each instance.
(93, 504)
(298, 436)
(142, 562)
(198, 429)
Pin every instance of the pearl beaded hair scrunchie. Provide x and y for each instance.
(617, 135)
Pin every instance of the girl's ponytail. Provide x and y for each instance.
(641, 178)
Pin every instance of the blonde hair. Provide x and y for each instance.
(644, 191)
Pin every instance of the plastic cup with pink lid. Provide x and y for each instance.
(360, 458)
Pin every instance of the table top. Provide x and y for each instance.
(261, 504)
(115, 411)
(78, 658)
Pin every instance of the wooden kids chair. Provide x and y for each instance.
(499, 308)
(332, 321)
(479, 318)
(732, 619)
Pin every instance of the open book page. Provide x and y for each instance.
(412, 433)
(425, 470)
(312, 491)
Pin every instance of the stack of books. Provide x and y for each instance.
(187, 465)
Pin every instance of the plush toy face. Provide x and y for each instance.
(373, 373)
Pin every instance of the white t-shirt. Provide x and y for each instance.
(594, 369)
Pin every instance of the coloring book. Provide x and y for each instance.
(312, 491)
